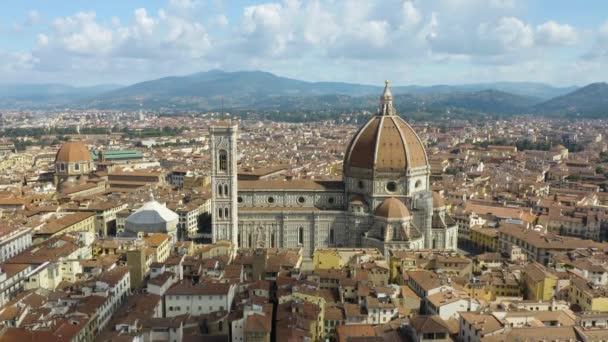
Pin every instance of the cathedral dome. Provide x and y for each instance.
(392, 208)
(73, 152)
(386, 142)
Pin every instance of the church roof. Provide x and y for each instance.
(72, 152)
(392, 208)
(386, 142)
(292, 185)
(152, 213)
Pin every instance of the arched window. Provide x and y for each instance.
(331, 235)
(223, 160)
(219, 189)
(271, 240)
(250, 240)
(301, 236)
(226, 212)
(220, 212)
(76, 166)
(226, 190)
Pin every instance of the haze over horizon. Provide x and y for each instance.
(409, 42)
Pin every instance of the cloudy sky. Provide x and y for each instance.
(561, 42)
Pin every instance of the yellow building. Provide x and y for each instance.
(220, 248)
(401, 261)
(484, 238)
(160, 243)
(324, 259)
(65, 223)
(192, 181)
(338, 258)
(539, 283)
(492, 285)
(310, 295)
(587, 296)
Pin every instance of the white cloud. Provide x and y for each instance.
(143, 23)
(16, 61)
(220, 20)
(33, 17)
(411, 14)
(42, 40)
(510, 34)
(552, 33)
(82, 34)
(357, 40)
(186, 37)
(599, 50)
(183, 4)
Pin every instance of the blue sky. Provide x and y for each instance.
(408, 41)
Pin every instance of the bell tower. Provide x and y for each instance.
(224, 219)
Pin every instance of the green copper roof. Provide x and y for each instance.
(119, 155)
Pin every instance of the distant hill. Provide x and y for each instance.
(486, 101)
(206, 90)
(263, 90)
(51, 94)
(590, 101)
(246, 91)
(528, 89)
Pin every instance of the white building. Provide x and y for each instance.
(14, 241)
(200, 299)
(115, 284)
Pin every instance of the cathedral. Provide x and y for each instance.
(383, 201)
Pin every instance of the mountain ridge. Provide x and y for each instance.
(261, 90)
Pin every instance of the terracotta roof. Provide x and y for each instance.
(547, 240)
(294, 185)
(72, 152)
(392, 208)
(386, 143)
(437, 200)
(345, 332)
(58, 224)
(258, 323)
(429, 324)
(484, 323)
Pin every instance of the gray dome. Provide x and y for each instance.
(152, 213)
(152, 217)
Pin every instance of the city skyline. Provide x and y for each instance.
(412, 42)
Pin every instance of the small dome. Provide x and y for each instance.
(152, 213)
(73, 152)
(437, 200)
(358, 200)
(392, 208)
